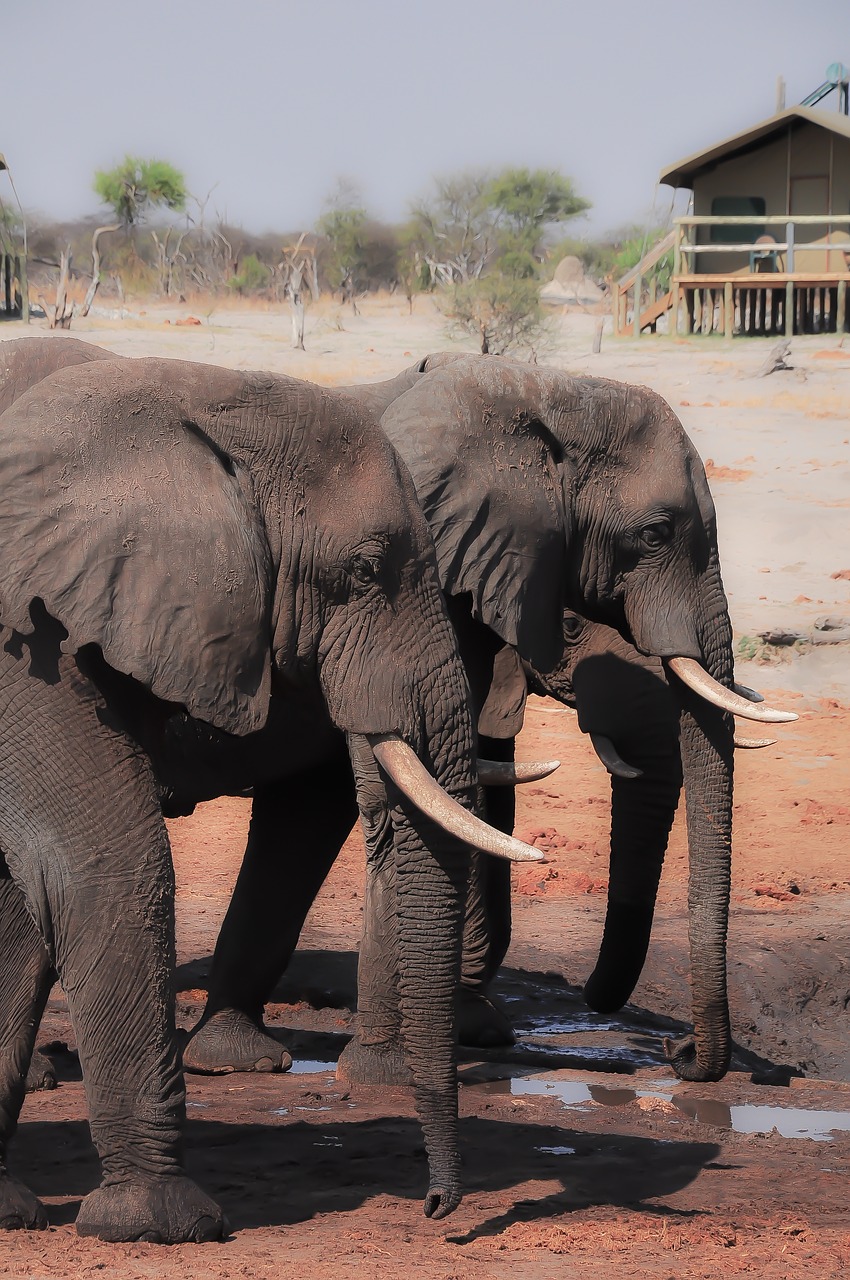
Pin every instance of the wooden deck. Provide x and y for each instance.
(760, 303)
(737, 302)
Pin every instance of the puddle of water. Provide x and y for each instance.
(788, 1122)
(280, 1111)
(566, 1026)
(594, 1052)
(557, 1151)
(310, 1066)
(312, 1109)
(199, 1105)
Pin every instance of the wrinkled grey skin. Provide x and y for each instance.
(541, 420)
(537, 487)
(546, 493)
(174, 537)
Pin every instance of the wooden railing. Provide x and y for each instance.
(781, 299)
(684, 245)
(629, 290)
(784, 299)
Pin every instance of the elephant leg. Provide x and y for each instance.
(27, 979)
(41, 1075)
(85, 841)
(315, 811)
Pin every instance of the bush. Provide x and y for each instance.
(251, 277)
(503, 312)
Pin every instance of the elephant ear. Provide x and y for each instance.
(487, 476)
(139, 535)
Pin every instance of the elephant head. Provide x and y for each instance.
(218, 536)
(546, 492)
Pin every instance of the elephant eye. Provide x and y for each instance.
(365, 570)
(572, 626)
(655, 535)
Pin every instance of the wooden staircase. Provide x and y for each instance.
(633, 283)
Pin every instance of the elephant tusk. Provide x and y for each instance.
(744, 691)
(752, 744)
(611, 758)
(503, 773)
(409, 774)
(698, 679)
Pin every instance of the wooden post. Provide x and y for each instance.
(7, 281)
(789, 309)
(638, 292)
(689, 310)
(674, 310)
(841, 308)
(25, 296)
(728, 310)
(616, 310)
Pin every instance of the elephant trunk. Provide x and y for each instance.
(642, 812)
(707, 741)
(428, 866)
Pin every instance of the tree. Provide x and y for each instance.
(135, 187)
(412, 268)
(455, 230)
(298, 265)
(525, 203)
(501, 304)
(343, 226)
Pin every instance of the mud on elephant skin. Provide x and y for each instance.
(174, 541)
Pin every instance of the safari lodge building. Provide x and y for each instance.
(766, 248)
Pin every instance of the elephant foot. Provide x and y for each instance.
(682, 1056)
(169, 1210)
(20, 1210)
(230, 1041)
(481, 1025)
(41, 1074)
(373, 1064)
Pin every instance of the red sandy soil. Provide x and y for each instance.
(318, 1182)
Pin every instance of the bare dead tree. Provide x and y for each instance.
(297, 266)
(167, 258)
(61, 311)
(95, 265)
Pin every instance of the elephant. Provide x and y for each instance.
(243, 553)
(546, 495)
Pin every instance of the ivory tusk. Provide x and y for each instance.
(744, 691)
(409, 774)
(505, 773)
(611, 758)
(698, 679)
(752, 744)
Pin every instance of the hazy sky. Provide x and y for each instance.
(271, 101)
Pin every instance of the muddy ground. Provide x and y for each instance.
(581, 1153)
